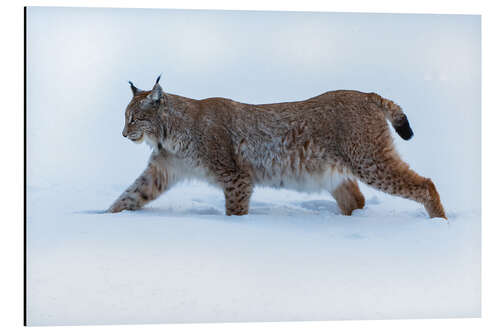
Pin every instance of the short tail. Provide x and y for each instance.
(394, 114)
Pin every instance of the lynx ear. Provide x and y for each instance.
(135, 90)
(156, 92)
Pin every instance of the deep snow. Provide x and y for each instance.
(294, 257)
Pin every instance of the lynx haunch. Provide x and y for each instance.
(327, 142)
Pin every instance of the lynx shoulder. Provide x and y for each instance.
(327, 142)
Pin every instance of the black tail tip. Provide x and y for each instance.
(404, 130)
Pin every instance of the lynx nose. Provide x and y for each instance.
(124, 132)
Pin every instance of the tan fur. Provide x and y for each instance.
(323, 143)
(349, 197)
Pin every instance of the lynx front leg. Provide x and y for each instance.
(230, 171)
(237, 191)
(348, 196)
(151, 183)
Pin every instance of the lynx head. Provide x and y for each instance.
(142, 116)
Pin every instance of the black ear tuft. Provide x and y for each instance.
(134, 89)
(158, 79)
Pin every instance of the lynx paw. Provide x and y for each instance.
(115, 209)
(121, 205)
(433, 206)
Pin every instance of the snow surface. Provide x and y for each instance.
(294, 257)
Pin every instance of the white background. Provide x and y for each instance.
(487, 218)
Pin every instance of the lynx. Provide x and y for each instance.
(327, 142)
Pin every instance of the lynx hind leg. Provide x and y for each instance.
(238, 189)
(390, 174)
(348, 196)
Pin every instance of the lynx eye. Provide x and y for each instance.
(133, 119)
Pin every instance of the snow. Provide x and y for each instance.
(294, 257)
